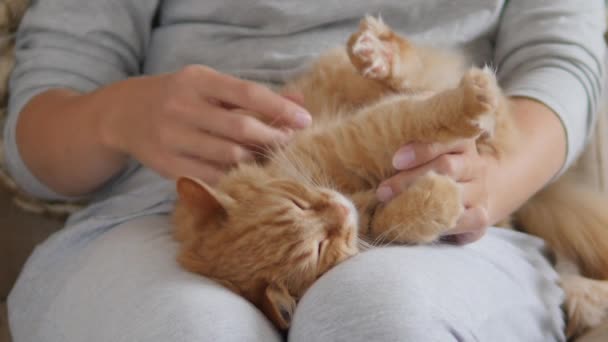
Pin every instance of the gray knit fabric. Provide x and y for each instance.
(548, 50)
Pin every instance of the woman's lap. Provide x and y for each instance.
(499, 289)
(128, 287)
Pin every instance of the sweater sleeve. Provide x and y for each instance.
(72, 44)
(553, 52)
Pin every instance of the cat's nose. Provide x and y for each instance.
(342, 212)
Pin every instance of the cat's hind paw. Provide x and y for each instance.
(370, 49)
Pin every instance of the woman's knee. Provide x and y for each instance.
(210, 313)
(126, 286)
(370, 298)
(431, 294)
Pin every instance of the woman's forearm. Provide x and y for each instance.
(59, 139)
(533, 160)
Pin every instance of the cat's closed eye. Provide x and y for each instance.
(320, 247)
(300, 204)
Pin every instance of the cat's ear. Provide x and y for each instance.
(278, 305)
(202, 199)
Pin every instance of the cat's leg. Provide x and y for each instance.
(378, 131)
(345, 79)
(333, 85)
(380, 54)
(467, 111)
(359, 150)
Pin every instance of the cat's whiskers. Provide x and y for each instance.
(394, 228)
(291, 166)
(363, 244)
(380, 239)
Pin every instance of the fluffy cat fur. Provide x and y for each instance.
(270, 229)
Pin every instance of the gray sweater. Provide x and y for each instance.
(551, 51)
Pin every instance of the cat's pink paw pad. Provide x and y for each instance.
(372, 54)
(363, 46)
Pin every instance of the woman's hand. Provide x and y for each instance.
(461, 162)
(492, 188)
(194, 122)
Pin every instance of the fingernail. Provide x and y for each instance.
(404, 158)
(384, 193)
(302, 119)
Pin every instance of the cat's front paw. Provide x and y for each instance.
(370, 49)
(421, 213)
(586, 303)
(481, 96)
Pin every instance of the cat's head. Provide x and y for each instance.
(267, 240)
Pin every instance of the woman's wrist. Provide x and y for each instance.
(107, 109)
(532, 160)
(113, 107)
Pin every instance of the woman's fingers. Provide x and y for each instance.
(470, 227)
(473, 219)
(473, 223)
(459, 161)
(199, 144)
(239, 127)
(457, 166)
(416, 154)
(251, 96)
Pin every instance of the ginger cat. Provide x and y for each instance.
(270, 229)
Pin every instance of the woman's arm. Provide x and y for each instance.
(554, 52)
(532, 161)
(77, 46)
(171, 123)
(77, 113)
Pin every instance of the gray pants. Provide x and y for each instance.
(124, 285)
